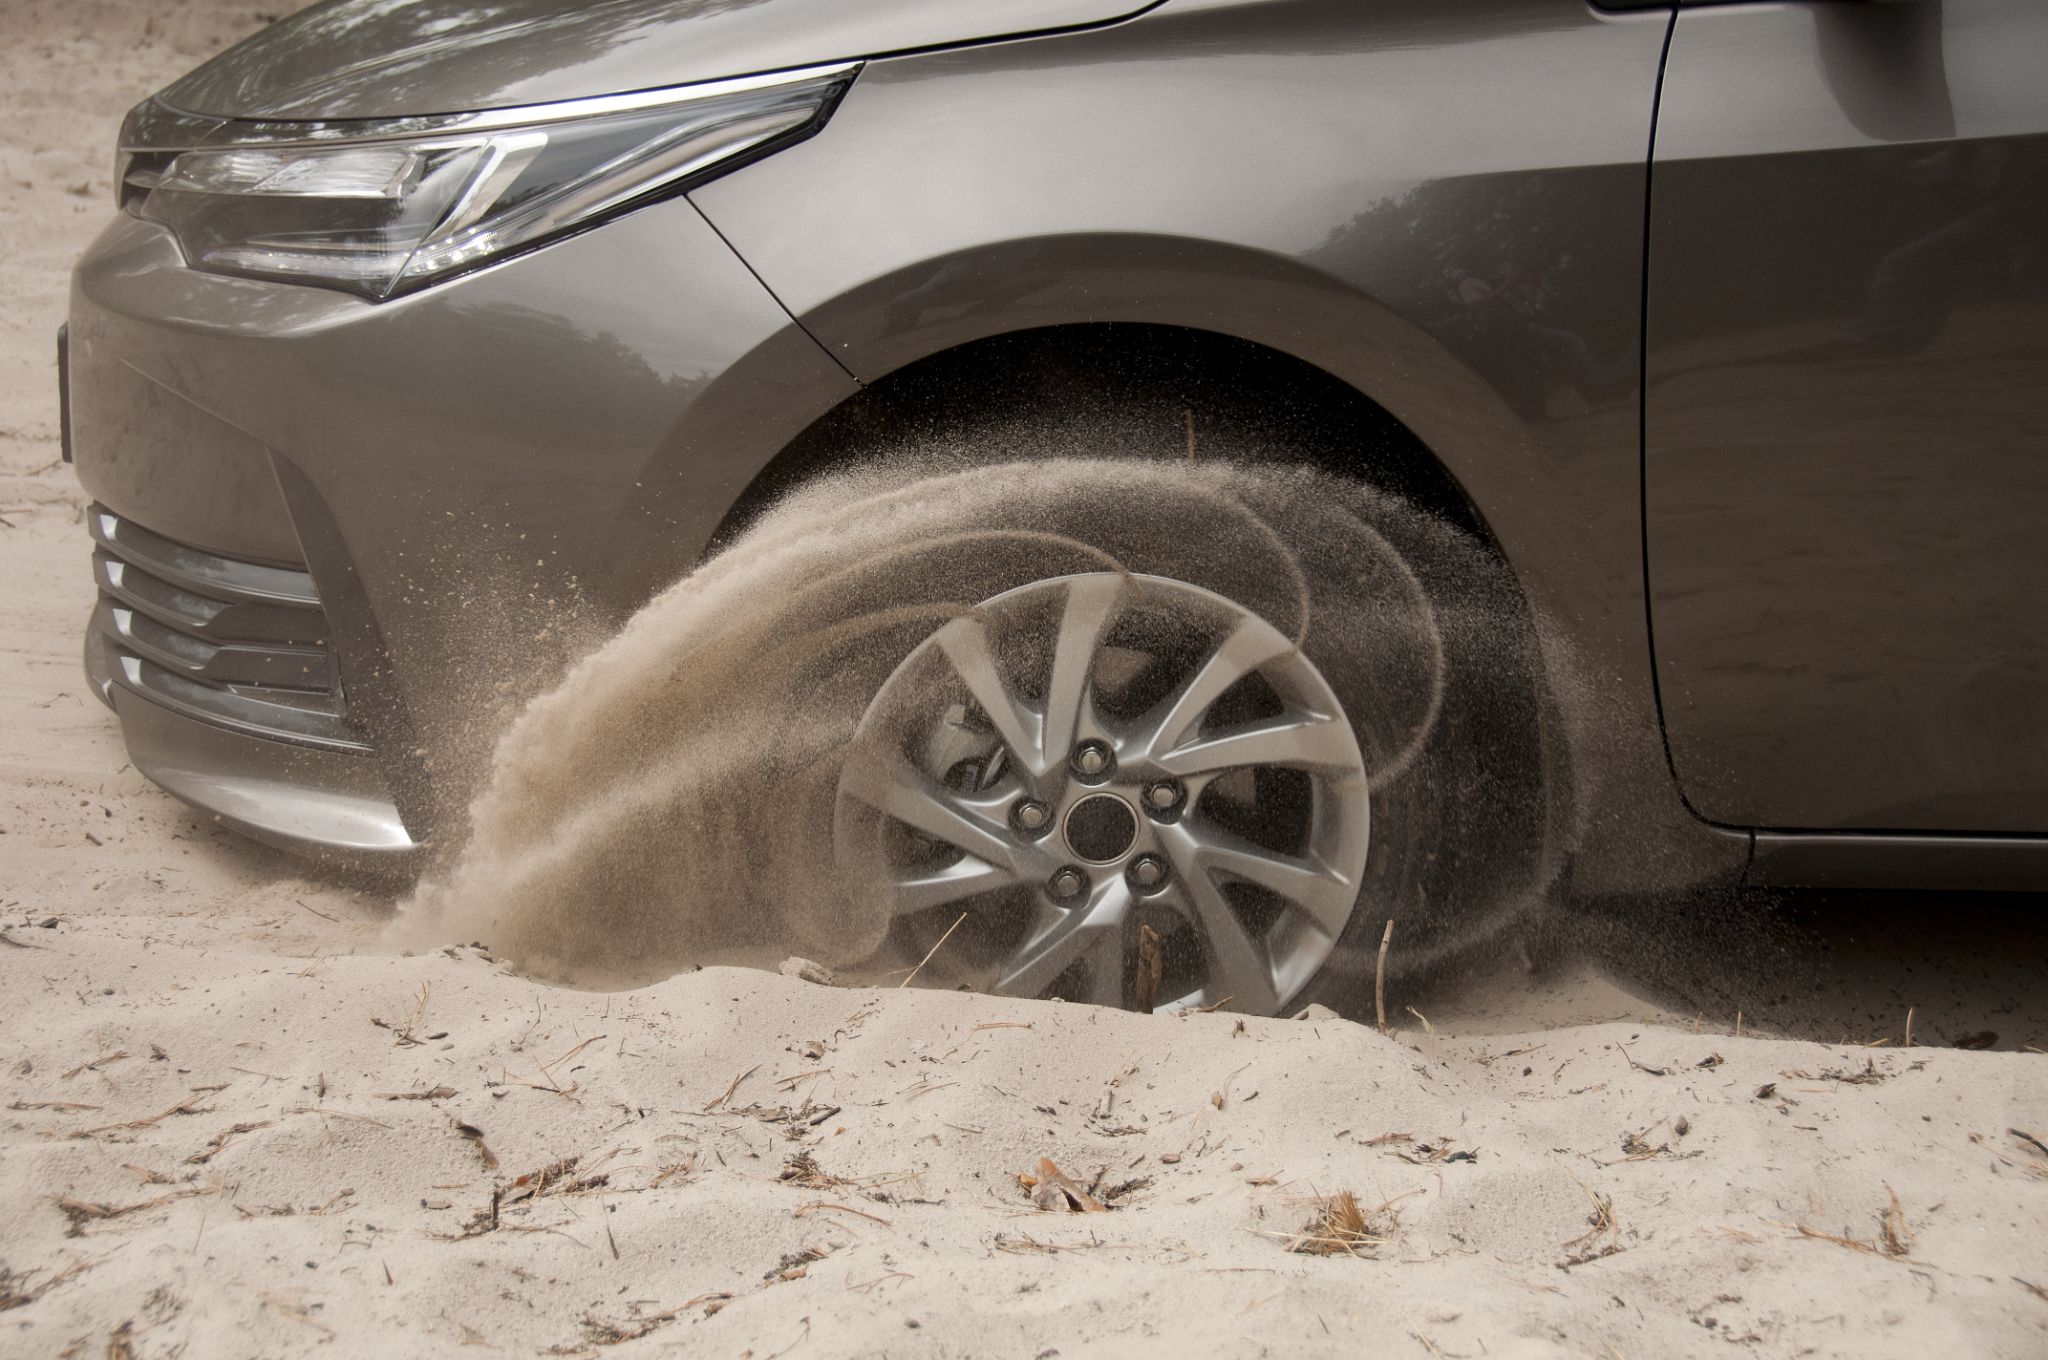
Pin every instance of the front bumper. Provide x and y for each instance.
(336, 542)
(225, 679)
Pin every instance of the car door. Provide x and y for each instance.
(1846, 413)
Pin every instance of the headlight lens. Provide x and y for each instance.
(379, 208)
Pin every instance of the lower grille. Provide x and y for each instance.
(241, 645)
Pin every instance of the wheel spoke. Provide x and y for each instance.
(1093, 934)
(1307, 739)
(1251, 645)
(1324, 896)
(965, 644)
(968, 877)
(1238, 966)
(1092, 603)
(893, 787)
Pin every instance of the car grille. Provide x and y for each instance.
(241, 645)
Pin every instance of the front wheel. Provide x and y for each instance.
(1125, 731)
(1086, 757)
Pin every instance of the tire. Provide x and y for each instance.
(688, 793)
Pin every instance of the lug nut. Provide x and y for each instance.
(1148, 871)
(1066, 883)
(1091, 758)
(1031, 815)
(1163, 795)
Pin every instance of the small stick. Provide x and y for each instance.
(1145, 989)
(1642, 1067)
(97, 1063)
(1427, 1028)
(1379, 978)
(2026, 1137)
(1189, 412)
(934, 949)
(182, 1107)
(734, 1087)
(549, 1068)
(803, 1209)
(1738, 1023)
(1909, 1026)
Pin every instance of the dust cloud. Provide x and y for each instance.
(671, 802)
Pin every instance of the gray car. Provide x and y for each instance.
(1533, 447)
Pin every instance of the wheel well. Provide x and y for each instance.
(1115, 388)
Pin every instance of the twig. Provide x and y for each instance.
(80, 1212)
(191, 1106)
(402, 1034)
(1909, 1026)
(548, 1069)
(866, 1285)
(1151, 967)
(220, 1141)
(336, 1114)
(319, 913)
(734, 1087)
(476, 1137)
(1839, 1240)
(52, 1105)
(1586, 1247)
(803, 1209)
(284, 1307)
(96, 1063)
(1051, 1183)
(1379, 978)
(1642, 1067)
(934, 949)
(1427, 1028)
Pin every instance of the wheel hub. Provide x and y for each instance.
(1148, 748)
(1101, 828)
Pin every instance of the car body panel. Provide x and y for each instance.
(376, 58)
(1846, 413)
(469, 453)
(1440, 204)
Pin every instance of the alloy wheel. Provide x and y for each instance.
(1089, 753)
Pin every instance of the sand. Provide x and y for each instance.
(239, 1122)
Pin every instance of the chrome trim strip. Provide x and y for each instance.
(306, 671)
(1863, 860)
(108, 664)
(223, 578)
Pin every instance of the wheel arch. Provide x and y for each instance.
(1118, 388)
(1154, 304)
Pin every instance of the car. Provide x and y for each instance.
(1306, 476)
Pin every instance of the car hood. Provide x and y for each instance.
(391, 58)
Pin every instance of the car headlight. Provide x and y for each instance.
(379, 207)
